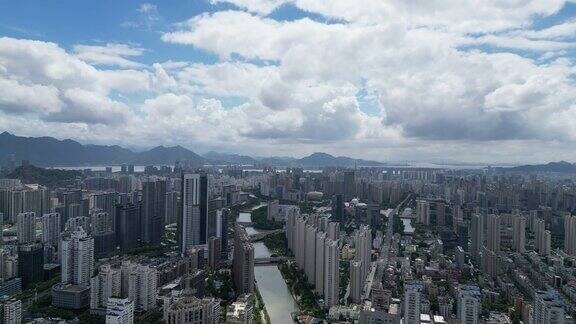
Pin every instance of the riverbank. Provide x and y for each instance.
(301, 290)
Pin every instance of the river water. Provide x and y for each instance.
(273, 289)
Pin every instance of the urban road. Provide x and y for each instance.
(379, 266)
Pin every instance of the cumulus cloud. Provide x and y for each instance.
(444, 78)
(42, 79)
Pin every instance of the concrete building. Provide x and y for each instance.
(243, 261)
(310, 253)
(191, 310)
(356, 281)
(331, 273)
(192, 223)
(241, 311)
(570, 234)
(319, 267)
(77, 258)
(519, 234)
(30, 263)
(477, 236)
(172, 207)
(373, 316)
(214, 252)
(493, 233)
(70, 296)
(153, 209)
(469, 304)
(142, 287)
(412, 298)
(128, 226)
(11, 310)
(26, 223)
(548, 308)
(119, 311)
(423, 212)
(543, 238)
(103, 286)
(51, 228)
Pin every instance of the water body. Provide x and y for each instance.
(115, 168)
(276, 295)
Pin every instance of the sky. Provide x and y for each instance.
(390, 80)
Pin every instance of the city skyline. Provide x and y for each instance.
(381, 81)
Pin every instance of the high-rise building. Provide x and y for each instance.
(543, 238)
(77, 258)
(469, 304)
(120, 311)
(30, 263)
(333, 231)
(214, 252)
(548, 308)
(493, 233)
(100, 222)
(191, 310)
(106, 284)
(172, 207)
(51, 228)
(423, 212)
(11, 310)
(331, 273)
(570, 234)
(519, 234)
(338, 208)
(105, 201)
(477, 236)
(192, 222)
(310, 253)
(153, 211)
(142, 287)
(26, 223)
(349, 184)
(128, 226)
(75, 223)
(243, 261)
(363, 245)
(319, 268)
(356, 281)
(412, 299)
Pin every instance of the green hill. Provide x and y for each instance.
(47, 177)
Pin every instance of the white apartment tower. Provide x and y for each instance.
(469, 304)
(77, 258)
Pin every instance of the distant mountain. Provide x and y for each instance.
(276, 160)
(48, 151)
(319, 159)
(224, 158)
(164, 155)
(47, 177)
(561, 167)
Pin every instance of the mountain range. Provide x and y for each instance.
(48, 151)
(560, 167)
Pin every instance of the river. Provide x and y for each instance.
(273, 289)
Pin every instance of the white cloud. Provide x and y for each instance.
(110, 54)
(438, 92)
(263, 7)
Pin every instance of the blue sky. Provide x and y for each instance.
(386, 80)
